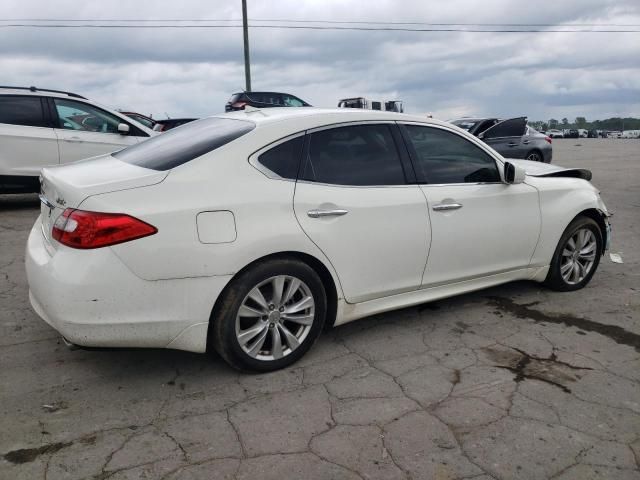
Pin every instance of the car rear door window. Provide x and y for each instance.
(181, 145)
(284, 159)
(21, 110)
(445, 157)
(354, 155)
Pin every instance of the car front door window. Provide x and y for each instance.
(444, 157)
(83, 117)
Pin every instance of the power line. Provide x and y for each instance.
(315, 27)
(339, 22)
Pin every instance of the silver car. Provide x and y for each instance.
(511, 138)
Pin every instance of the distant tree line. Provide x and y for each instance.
(615, 123)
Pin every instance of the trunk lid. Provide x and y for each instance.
(67, 186)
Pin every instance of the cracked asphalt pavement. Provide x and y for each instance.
(514, 382)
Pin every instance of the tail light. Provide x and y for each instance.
(239, 104)
(81, 229)
(548, 139)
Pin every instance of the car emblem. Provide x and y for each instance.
(61, 201)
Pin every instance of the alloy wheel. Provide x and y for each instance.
(578, 256)
(275, 317)
(534, 157)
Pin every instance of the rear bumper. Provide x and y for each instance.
(92, 299)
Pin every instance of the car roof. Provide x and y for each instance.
(321, 116)
(39, 92)
(263, 91)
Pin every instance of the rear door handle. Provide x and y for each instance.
(326, 213)
(526, 142)
(74, 140)
(447, 206)
(513, 144)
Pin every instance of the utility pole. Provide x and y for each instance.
(245, 31)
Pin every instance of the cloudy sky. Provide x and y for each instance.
(192, 72)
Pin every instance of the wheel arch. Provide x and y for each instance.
(330, 286)
(597, 216)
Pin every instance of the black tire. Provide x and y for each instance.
(555, 280)
(222, 328)
(537, 154)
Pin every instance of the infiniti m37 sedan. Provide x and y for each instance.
(248, 232)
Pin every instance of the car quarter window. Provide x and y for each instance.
(84, 117)
(284, 159)
(354, 155)
(446, 157)
(21, 110)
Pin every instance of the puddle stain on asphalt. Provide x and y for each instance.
(613, 332)
(549, 370)
(26, 455)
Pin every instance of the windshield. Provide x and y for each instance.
(182, 145)
(465, 124)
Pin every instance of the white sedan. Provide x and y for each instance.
(248, 232)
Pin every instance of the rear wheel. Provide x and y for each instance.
(534, 156)
(269, 316)
(576, 257)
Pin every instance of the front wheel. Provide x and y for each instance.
(576, 257)
(269, 316)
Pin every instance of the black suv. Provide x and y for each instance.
(263, 100)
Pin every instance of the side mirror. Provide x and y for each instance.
(123, 129)
(513, 173)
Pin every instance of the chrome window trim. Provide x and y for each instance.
(500, 161)
(351, 124)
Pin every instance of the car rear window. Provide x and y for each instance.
(168, 150)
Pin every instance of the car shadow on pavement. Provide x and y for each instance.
(19, 201)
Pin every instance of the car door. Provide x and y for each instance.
(506, 137)
(480, 226)
(27, 141)
(353, 200)
(84, 130)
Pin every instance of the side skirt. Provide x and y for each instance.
(348, 312)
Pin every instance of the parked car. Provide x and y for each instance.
(143, 119)
(572, 133)
(555, 133)
(630, 134)
(249, 233)
(169, 123)
(263, 100)
(614, 134)
(512, 138)
(592, 134)
(41, 127)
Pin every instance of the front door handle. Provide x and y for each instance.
(513, 144)
(447, 206)
(326, 213)
(74, 140)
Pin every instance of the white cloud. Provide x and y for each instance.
(192, 72)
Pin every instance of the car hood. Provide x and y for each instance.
(539, 169)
